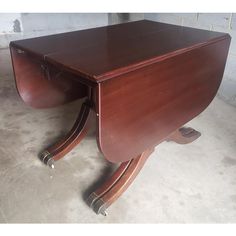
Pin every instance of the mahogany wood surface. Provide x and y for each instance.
(106, 186)
(73, 138)
(144, 80)
(41, 85)
(101, 53)
(140, 109)
(114, 187)
(148, 78)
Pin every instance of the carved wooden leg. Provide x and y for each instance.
(75, 135)
(184, 135)
(105, 195)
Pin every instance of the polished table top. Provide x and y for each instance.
(102, 53)
(144, 80)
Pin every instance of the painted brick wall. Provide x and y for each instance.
(222, 22)
(15, 26)
(117, 18)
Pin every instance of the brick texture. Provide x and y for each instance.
(233, 22)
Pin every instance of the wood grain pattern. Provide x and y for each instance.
(149, 78)
(113, 188)
(144, 80)
(73, 137)
(140, 109)
(102, 53)
(41, 85)
(108, 184)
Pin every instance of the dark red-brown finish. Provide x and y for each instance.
(149, 78)
(114, 187)
(101, 53)
(144, 80)
(41, 85)
(152, 102)
(107, 186)
(74, 136)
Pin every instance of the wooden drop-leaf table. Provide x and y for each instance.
(143, 80)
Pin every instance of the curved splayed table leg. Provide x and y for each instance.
(184, 135)
(112, 189)
(75, 135)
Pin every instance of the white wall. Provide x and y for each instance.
(15, 26)
(24, 25)
(7, 22)
(116, 18)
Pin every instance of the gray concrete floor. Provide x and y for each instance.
(194, 183)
